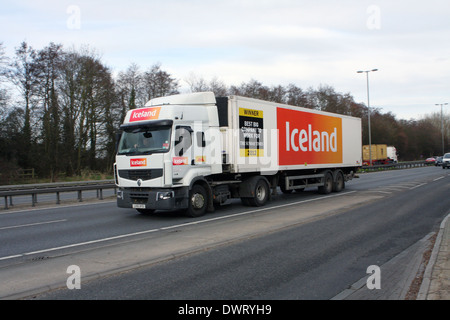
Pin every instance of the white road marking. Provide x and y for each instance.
(172, 227)
(32, 224)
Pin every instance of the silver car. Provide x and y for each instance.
(446, 161)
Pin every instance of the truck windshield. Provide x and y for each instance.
(144, 140)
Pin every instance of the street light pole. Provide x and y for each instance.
(442, 125)
(368, 108)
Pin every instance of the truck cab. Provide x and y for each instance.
(162, 150)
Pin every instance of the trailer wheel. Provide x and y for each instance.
(328, 183)
(339, 182)
(198, 201)
(261, 194)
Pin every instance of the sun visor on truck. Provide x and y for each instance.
(149, 124)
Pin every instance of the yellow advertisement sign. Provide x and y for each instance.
(251, 139)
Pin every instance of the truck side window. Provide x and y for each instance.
(183, 139)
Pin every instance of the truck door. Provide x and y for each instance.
(183, 151)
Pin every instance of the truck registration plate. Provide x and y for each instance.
(138, 206)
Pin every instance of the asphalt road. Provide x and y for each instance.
(301, 246)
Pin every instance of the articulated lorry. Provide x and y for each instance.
(380, 154)
(196, 151)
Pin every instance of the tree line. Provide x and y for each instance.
(414, 139)
(60, 110)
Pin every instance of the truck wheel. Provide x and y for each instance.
(328, 183)
(261, 194)
(339, 182)
(198, 201)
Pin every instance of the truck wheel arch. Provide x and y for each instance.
(328, 182)
(248, 187)
(202, 181)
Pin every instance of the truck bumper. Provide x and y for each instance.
(156, 199)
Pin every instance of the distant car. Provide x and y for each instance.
(438, 161)
(446, 161)
(430, 160)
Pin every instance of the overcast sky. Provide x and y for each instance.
(277, 42)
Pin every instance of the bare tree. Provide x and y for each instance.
(158, 83)
(48, 66)
(4, 97)
(218, 87)
(277, 94)
(88, 98)
(129, 86)
(3, 63)
(199, 84)
(295, 96)
(254, 89)
(196, 83)
(22, 73)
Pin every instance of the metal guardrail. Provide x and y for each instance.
(400, 165)
(57, 188)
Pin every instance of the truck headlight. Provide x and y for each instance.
(164, 195)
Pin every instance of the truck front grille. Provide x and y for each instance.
(146, 174)
(139, 198)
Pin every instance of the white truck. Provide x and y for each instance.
(194, 151)
(392, 154)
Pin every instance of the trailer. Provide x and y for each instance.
(379, 154)
(195, 151)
